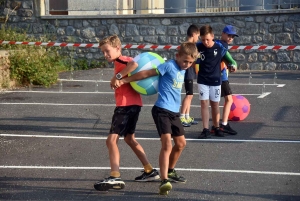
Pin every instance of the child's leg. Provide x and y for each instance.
(114, 181)
(214, 97)
(204, 93)
(179, 144)
(215, 113)
(227, 94)
(136, 148)
(205, 113)
(225, 127)
(164, 156)
(114, 154)
(186, 104)
(226, 109)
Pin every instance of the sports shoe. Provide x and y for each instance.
(217, 131)
(192, 121)
(173, 176)
(151, 176)
(205, 134)
(184, 122)
(109, 183)
(227, 129)
(164, 187)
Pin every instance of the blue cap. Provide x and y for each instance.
(230, 30)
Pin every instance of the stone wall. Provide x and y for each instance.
(279, 27)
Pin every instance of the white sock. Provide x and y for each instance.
(182, 115)
(224, 123)
(187, 116)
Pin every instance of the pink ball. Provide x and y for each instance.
(240, 108)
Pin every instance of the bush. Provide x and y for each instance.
(38, 65)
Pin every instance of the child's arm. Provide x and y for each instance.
(139, 76)
(131, 66)
(231, 61)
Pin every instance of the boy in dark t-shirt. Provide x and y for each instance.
(209, 79)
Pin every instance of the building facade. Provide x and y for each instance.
(268, 27)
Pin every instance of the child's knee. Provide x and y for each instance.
(130, 140)
(167, 146)
(204, 103)
(109, 142)
(181, 145)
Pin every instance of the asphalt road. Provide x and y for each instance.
(53, 144)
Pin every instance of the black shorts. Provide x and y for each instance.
(225, 89)
(189, 86)
(167, 122)
(124, 120)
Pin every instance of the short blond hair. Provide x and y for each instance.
(188, 48)
(113, 41)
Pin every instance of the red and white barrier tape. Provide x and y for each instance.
(142, 46)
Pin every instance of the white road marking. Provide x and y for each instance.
(69, 104)
(155, 139)
(281, 85)
(81, 92)
(256, 84)
(139, 168)
(264, 95)
(68, 80)
(62, 92)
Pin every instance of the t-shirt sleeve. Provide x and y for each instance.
(198, 45)
(223, 46)
(163, 68)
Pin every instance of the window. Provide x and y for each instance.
(58, 7)
(129, 7)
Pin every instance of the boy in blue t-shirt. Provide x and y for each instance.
(209, 79)
(165, 111)
(228, 34)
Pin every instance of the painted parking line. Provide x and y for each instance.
(69, 104)
(264, 95)
(98, 92)
(139, 168)
(252, 84)
(68, 80)
(81, 92)
(61, 92)
(150, 139)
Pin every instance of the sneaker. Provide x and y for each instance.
(151, 176)
(218, 132)
(192, 121)
(165, 187)
(184, 122)
(212, 130)
(109, 183)
(205, 134)
(173, 176)
(227, 129)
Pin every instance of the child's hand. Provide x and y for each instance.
(113, 82)
(232, 69)
(117, 84)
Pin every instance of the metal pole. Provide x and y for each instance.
(47, 7)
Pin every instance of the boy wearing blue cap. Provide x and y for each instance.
(228, 35)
